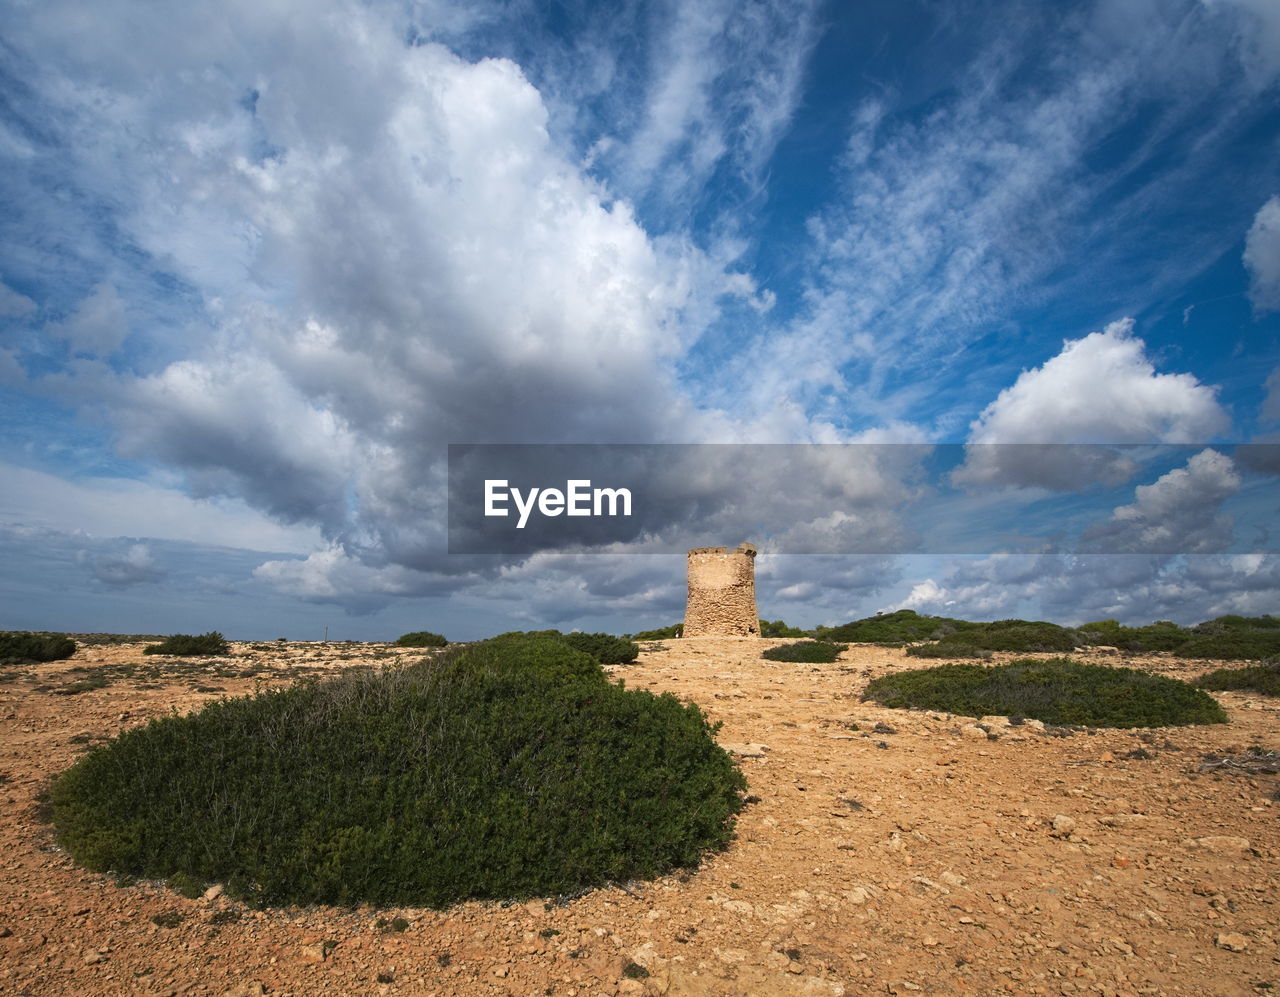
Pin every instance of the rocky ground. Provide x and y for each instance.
(882, 852)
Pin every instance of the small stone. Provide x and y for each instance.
(1107, 756)
(213, 892)
(1232, 941)
(973, 732)
(628, 987)
(1062, 825)
(1220, 844)
(928, 941)
(746, 750)
(92, 957)
(501, 972)
(1123, 820)
(1204, 888)
(314, 953)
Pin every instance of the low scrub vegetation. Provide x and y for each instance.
(975, 639)
(1264, 678)
(21, 647)
(779, 628)
(605, 648)
(185, 645)
(1056, 691)
(506, 769)
(421, 638)
(900, 627)
(662, 633)
(812, 651)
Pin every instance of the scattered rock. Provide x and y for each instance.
(1123, 820)
(92, 957)
(973, 732)
(1219, 844)
(1232, 941)
(315, 952)
(1062, 825)
(213, 892)
(1204, 888)
(746, 750)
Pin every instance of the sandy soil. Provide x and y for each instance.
(932, 857)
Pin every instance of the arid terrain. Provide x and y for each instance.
(881, 852)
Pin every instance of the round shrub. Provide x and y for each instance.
(507, 769)
(1263, 678)
(1056, 691)
(811, 651)
(605, 648)
(20, 646)
(421, 638)
(185, 645)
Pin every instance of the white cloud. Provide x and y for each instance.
(97, 326)
(1100, 389)
(132, 567)
(1257, 29)
(13, 304)
(1270, 411)
(1262, 256)
(123, 507)
(1179, 513)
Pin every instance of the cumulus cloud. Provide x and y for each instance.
(113, 507)
(131, 567)
(97, 326)
(1262, 255)
(13, 304)
(1257, 32)
(1179, 513)
(1100, 389)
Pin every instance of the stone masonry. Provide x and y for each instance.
(722, 593)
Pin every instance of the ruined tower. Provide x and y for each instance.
(722, 593)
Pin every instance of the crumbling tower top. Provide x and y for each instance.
(722, 593)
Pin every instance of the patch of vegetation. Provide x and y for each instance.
(506, 769)
(1264, 679)
(228, 915)
(662, 633)
(903, 626)
(92, 682)
(185, 885)
(185, 645)
(421, 638)
(23, 647)
(111, 640)
(1232, 645)
(1159, 636)
(169, 919)
(778, 628)
(1057, 691)
(634, 971)
(811, 651)
(973, 639)
(605, 648)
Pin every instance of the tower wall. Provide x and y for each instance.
(722, 593)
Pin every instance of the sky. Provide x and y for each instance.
(262, 263)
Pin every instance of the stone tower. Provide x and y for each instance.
(722, 593)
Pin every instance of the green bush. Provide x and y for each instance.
(1263, 678)
(507, 769)
(21, 647)
(1159, 636)
(898, 627)
(778, 628)
(1056, 691)
(663, 633)
(813, 651)
(1233, 645)
(605, 648)
(1001, 635)
(421, 638)
(185, 645)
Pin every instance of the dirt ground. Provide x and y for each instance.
(883, 852)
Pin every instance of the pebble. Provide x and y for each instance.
(1062, 825)
(1232, 941)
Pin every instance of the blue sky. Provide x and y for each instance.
(263, 262)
